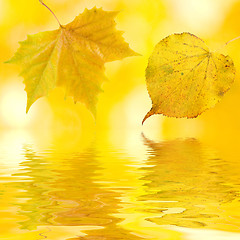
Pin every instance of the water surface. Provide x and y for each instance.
(179, 189)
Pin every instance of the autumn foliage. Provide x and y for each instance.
(72, 57)
(184, 78)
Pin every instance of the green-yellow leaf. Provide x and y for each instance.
(72, 57)
(184, 78)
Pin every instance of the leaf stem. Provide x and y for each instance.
(50, 11)
(233, 40)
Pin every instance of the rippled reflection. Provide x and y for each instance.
(104, 193)
(62, 190)
(190, 186)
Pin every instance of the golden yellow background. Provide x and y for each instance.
(70, 127)
(125, 100)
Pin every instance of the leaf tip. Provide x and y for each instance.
(132, 53)
(11, 60)
(94, 113)
(149, 114)
(137, 54)
(29, 104)
(115, 13)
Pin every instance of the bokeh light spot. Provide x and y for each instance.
(13, 106)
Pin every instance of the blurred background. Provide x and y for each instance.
(128, 182)
(125, 100)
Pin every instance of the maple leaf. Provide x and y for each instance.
(184, 78)
(72, 57)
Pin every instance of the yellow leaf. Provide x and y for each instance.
(72, 57)
(184, 78)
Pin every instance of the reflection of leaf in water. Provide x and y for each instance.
(62, 192)
(37, 177)
(1, 193)
(187, 184)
